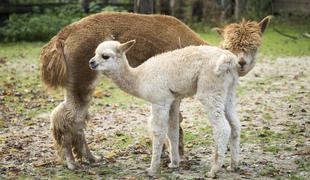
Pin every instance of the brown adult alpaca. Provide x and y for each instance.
(64, 63)
(243, 39)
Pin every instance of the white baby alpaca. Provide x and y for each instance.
(165, 79)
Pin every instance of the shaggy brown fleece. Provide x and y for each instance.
(154, 34)
(244, 36)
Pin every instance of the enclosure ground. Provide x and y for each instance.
(273, 106)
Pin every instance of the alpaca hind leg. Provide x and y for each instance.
(181, 138)
(61, 128)
(80, 104)
(173, 134)
(234, 123)
(57, 127)
(214, 105)
(159, 127)
(83, 147)
(71, 164)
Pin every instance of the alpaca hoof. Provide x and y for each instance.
(173, 165)
(151, 172)
(73, 165)
(92, 160)
(211, 175)
(232, 168)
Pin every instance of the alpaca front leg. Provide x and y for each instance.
(158, 125)
(234, 123)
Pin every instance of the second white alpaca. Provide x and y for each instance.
(165, 79)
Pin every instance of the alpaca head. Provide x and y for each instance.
(243, 39)
(110, 56)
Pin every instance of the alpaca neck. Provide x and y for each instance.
(126, 78)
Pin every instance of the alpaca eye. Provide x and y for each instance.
(105, 57)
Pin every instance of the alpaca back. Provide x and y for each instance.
(154, 34)
(178, 71)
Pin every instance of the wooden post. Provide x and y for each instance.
(144, 6)
(177, 8)
(4, 16)
(239, 7)
(85, 5)
(226, 7)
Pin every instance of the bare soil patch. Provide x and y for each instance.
(273, 106)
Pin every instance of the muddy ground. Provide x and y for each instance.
(273, 106)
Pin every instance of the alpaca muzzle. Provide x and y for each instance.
(93, 64)
(242, 63)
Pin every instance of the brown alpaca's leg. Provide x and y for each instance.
(181, 136)
(82, 147)
(79, 99)
(173, 133)
(181, 139)
(68, 153)
(61, 128)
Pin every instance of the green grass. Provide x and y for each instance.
(113, 95)
(276, 45)
(21, 50)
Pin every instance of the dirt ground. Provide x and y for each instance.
(273, 106)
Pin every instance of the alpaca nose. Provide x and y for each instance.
(92, 64)
(242, 62)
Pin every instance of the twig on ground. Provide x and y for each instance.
(284, 34)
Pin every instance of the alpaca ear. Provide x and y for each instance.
(218, 30)
(126, 46)
(264, 23)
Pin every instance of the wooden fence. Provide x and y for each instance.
(6, 8)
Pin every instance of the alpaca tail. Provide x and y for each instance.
(52, 64)
(52, 60)
(225, 63)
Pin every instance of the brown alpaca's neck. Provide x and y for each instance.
(126, 78)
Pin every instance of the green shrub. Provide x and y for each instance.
(39, 27)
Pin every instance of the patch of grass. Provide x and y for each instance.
(277, 45)
(293, 128)
(248, 136)
(190, 137)
(115, 95)
(269, 170)
(197, 138)
(296, 177)
(211, 37)
(29, 52)
(303, 163)
(121, 141)
(276, 148)
(68, 174)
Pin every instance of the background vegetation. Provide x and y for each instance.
(273, 102)
(42, 22)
